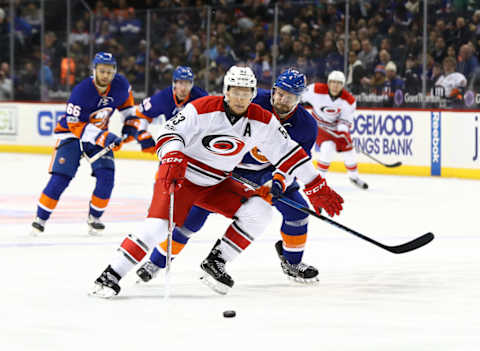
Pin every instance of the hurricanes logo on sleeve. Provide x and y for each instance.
(223, 145)
(331, 111)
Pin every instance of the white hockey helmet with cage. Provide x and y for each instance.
(238, 76)
(336, 76)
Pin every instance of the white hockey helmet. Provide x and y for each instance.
(336, 76)
(238, 76)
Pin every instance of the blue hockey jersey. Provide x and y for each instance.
(300, 125)
(165, 103)
(88, 112)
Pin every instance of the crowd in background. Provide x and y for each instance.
(384, 42)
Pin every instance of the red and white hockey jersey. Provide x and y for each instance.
(450, 82)
(214, 146)
(333, 114)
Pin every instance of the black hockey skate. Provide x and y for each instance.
(215, 277)
(95, 226)
(147, 271)
(300, 272)
(38, 226)
(106, 285)
(360, 183)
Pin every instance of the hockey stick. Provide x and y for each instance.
(101, 153)
(406, 247)
(389, 165)
(171, 225)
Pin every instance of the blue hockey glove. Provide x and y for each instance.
(105, 138)
(130, 128)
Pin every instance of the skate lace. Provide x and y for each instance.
(150, 267)
(301, 267)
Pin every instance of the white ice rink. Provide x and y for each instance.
(367, 298)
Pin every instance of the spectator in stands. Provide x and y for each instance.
(467, 60)
(355, 73)
(393, 82)
(439, 49)
(27, 87)
(224, 57)
(368, 55)
(413, 83)
(452, 82)
(376, 84)
(4, 36)
(451, 52)
(31, 14)
(334, 60)
(80, 33)
(130, 28)
(6, 87)
(383, 57)
(462, 33)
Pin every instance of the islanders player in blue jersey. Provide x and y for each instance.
(84, 130)
(171, 100)
(283, 101)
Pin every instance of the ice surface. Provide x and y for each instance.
(367, 298)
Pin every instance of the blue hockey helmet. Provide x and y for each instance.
(183, 73)
(291, 81)
(104, 57)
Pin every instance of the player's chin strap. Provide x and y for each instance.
(101, 153)
(402, 248)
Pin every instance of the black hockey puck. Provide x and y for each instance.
(229, 314)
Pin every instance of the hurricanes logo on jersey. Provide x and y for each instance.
(331, 111)
(223, 145)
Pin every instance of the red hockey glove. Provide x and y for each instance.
(321, 196)
(343, 140)
(146, 141)
(172, 170)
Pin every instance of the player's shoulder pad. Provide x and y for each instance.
(198, 92)
(307, 119)
(120, 82)
(83, 89)
(257, 113)
(320, 88)
(347, 97)
(208, 104)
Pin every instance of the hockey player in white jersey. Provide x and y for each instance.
(198, 150)
(333, 107)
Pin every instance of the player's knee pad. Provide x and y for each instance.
(254, 216)
(153, 232)
(105, 182)
(327, 151)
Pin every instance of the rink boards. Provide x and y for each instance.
(427, 142)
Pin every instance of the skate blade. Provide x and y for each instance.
(35, 232)
(95, 232)
(213, 284)
(310, 281)
(101, 291)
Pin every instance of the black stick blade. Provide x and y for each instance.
(396, 164)
(411, 245)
